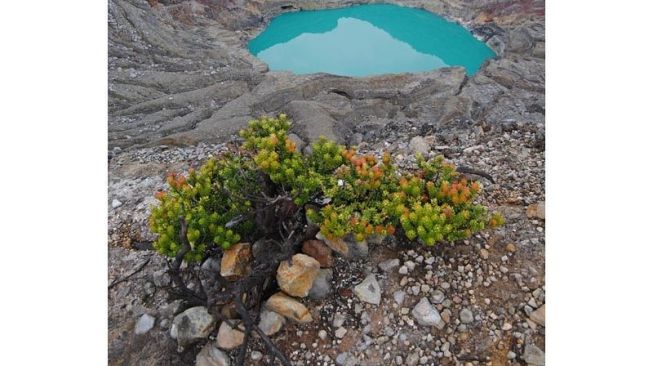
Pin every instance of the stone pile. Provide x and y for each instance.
(304, 275)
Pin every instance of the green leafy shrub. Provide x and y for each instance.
(365, 196)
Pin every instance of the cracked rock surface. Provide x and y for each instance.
(180, 74)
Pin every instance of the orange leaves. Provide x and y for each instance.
(273, 139)
(290, 145)
(348, 154)
(390, 229)
(176, 181)
(376, 172)
(475, 187)
(365, 172)
(459, 192)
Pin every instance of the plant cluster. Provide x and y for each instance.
(208, 199)
(365, 195)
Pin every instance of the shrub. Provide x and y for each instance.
(364, 196)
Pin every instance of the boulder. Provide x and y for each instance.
(537, 316)
(387, 266)
(191, 326)
(369, 290)
(312, 120)
(235, 261)
(296, 276)
(320, 251)
(466, 316)
(144, 324)
(211, 355)
(533, 355)
(288, 307)
(228, 337)
(427, 314)
(336, 244)
(211, 265)
(270, 322)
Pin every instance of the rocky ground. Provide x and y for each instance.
(181, 83)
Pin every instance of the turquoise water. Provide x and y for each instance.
(367, 40)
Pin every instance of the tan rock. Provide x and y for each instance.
(320, 251)
(296, 276)
(288, 307)
(337, 244)
(211, 355)
(230, 338)
(536, 210)
(538, 316)
(510, 247)
(235, 261)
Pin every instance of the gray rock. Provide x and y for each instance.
(211, 265)
(321, 285)
(340, 332)
(211, 355)
(519, 40)
(437, 297)
(270, 322)
(338, 320)
(357, 249)
(369, 290)
(399, 297)
(538, 316)
(346, 359)
(144, 324)
(386, 266)
(533, 355)
(412, 359)
(191, 326)
(115, 203)
(410, 265)
(466, 316)
(417, 145)
(256, 355)
(427, 314)
(161, 278)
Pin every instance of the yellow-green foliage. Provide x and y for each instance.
(207, 200)
(366, 196)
